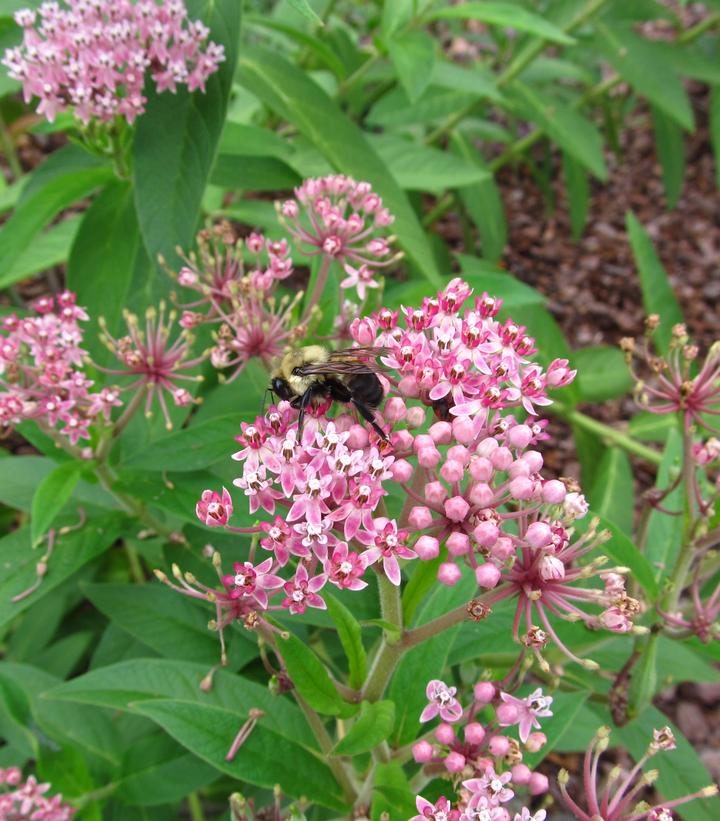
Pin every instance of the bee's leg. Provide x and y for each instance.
(302, 404)
(368, 416)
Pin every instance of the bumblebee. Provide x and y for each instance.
(314, 373)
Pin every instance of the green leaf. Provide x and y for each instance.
(658, 296)
(484, 277)
(253, 141)
(265, 758)
(51, 497)
(623, 551)
(577, 186)
(392, 792)
(647, 70)
(102, 261)
(324, 53)
(168, 622)
(48, 249)
(670, 146)
(602, 373)
(297, 98)
(644, 678)
(664, 533)
(477, 80)
(651, 427)
(567, 706)
(573, 132)
(36, 210)
(396, 15)
(310, 677)
(422, 580)
(413, 55)
(483, 202)
(350, 635)
(252, 173)
(192, 448)
(177, 138)
(505, 15)
(715, 129)
(373, 725)
(304, 8)
(611, 494)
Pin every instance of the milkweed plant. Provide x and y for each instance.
(210, 610)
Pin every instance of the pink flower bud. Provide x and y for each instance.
(401, 470)
(521, 774)
(499, 745)
(441, 432)
(481, 494)
(363, 331)
(427, 547)
(395, 409)
(457, 543)
(449, 574)
(538, 534)
(481, 469)
(422, 440)
(402, 441)
(551, 568)
(503, 549)
(429, 457)
(452, 471)
(538, 784)
(484, 692)
(553, 492)
(535, 742)
(358, 438)
(519, 468)
(487, 447)
(435, 493)
(459, 453)
(463, 430)
(521, 488)
(455, 762)
(502, 458)
(486, 534)
(456, 509)
(507, 714)
(474, 733)
(487, 575)
(533, 459)
(445, 733)
(415, 416)
(422, 752)
(420, 517)
(519, 436)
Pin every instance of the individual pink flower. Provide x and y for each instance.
(254, 581)
(213, 509)
(526, 815)
(442, 702)
(441, 810)
(302, 592)
(529, 709)
(491, 786)
(388, 546)
(345, 569)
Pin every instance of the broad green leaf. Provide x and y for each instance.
(611, 494)
(392, 793)
(265, 758)
(658, 296)
(48, 249)
(602, 373)
(176, 142)
(483, 202)
(324, 53)
(565, 707)
(396, 14)
(252, 173)
(36, 211)
(51, 496)
(72, 551)
(394, 109)
(670, 146)
(102, 261)
(307, 11)
(485, 277)
(310, 677)
(577, 186)
(505, 15)
(191, 448)
(572, 131)
(350, 635)
(252, 141)
(650, 74)
(298, 99)
(373, 725)
(413, 55)
(168, 622)
(478, 80)
(715, 129)
(644, 678)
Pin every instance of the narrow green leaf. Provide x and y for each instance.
(310, 677)
(715, 129)
(664, 533)
(567, 705)
(611, 494)
(505, 15)
(319, 48)
(51, 497)
(350, 635)
(422, 580)
(396, 14)
(176, 142)
(297, 98)
(670, 146)
(413, 55)
(304, 8)
(48, 249)
(658, 296)
(602, 373)
(577, 186)
(373, 725)
(392, 794)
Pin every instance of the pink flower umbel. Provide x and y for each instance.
(156, 363)
(527, 711)
(442, 702)
(618, 800)
(28, 799)
(92, 58)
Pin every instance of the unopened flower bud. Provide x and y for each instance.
(487, 575)
(445, 733)
(484, 692)
(538, 784)
(420, 517)
(455, 762)
(474, 733)
(449, 574)
(427, 547)
(499, 745)
(456, 509)
(422, 752)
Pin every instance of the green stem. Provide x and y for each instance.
(130, 410)
(358, 74)
(8, 147)
(609, 434)
(390, 651)
(195, 807)
(699, 28)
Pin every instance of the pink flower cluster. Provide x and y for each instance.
(254, 321)
(472, 485)
(485, 763)
(92, 55)
(41, 375)
(344, 220)
(27, 799)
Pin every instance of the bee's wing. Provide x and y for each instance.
(348, 361)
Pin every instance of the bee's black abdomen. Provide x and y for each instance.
(366, 388)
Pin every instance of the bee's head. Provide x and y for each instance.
(281, 388)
